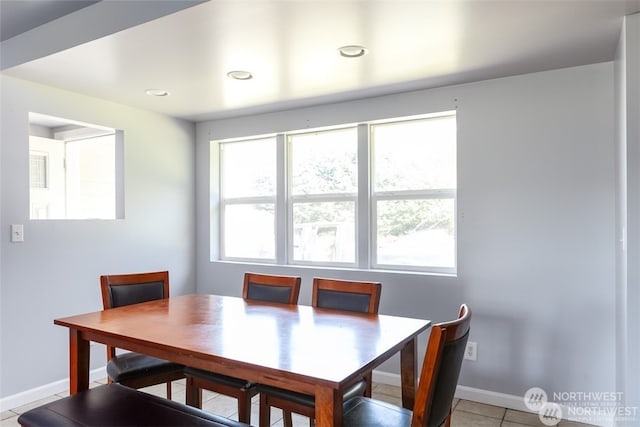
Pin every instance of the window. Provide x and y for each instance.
(414, 189)
(324, 186)
(248, 199)
(373, 195)
(72, 170)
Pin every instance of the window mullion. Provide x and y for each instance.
(363, 205)
(415, 194)
(316, 198)
(250, 200)
(282, 234)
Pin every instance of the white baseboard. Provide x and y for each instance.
(491, 398)
(35, 394)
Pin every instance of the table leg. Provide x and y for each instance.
(408, 358)
(78, 362)
(328, 407)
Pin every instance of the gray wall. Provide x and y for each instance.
(627, 89)
(536, 235)
(55, 271)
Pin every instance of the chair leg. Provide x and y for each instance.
(286, 418)
(265, 412)
(447, 422)
(244, 408)
(369, 379)
(168, 390)
(194, 394)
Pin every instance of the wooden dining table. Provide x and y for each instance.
(300, 348)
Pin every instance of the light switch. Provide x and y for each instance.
(17, 233)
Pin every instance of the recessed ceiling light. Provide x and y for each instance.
(156, 92)
(352, 51)
(240, 75)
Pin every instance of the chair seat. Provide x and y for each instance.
(366, 412)
(130, 366)
(353, 391)
(115, 405)
(216, 378)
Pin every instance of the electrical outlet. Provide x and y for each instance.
(471, 351)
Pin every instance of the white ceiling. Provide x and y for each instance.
(290, 47)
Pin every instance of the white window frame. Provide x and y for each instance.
(249, 200)
(49, 134)
(316, 198)
(423, 194)
(411, 195)
(365, 201)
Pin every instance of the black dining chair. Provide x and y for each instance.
(343, 295)
(436, 387)
(132, 369)
(256, 287)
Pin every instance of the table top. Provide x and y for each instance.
(223, 333)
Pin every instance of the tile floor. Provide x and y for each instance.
(465, 414)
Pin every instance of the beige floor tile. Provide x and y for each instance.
(161, 389)
(480, 409)
(513, 424)
(564, 423)
(7, 414)
(24, 408)
(298, 421)
(520, 417)
(10, 422)
(394, 400)
(467, 419)
(389, 390)
(222, 405)
(178, 385)
(208, 395)
(276, 414)
(178, 395)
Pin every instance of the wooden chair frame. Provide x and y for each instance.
(373, 289)
(446, 338)
(441, 334)
(272, 280)
(108, 281)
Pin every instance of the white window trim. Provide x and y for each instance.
(250, 200)
(318, 198)
(365, 201)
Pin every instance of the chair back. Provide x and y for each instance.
(440, 370)
(126, 289)
(346, 295)
(269, 288)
